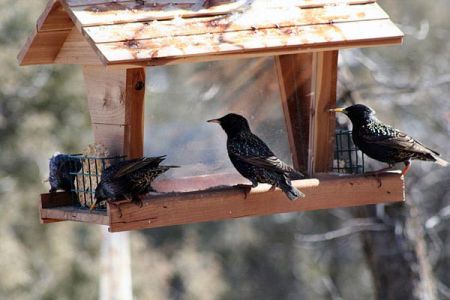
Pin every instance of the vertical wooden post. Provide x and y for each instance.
(295, 77)
(308, 89)
(115, 270)
(116, 105)
(322, 123)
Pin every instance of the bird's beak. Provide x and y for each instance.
(337, 110)
(214, 121)
(92, 206)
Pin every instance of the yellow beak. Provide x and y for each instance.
(92, 206)
(337, 110)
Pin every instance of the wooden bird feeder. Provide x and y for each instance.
(118, 42)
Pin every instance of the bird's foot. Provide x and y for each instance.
(138, 201)
(246, 188)
(272, 188)
(116, 205)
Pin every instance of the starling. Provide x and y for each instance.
(128, 179)
(383, 142)
(62, 168)
(253, 159)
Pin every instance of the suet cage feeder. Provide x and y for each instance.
(118, 42)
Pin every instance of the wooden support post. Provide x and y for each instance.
(115, 261)
(322, 123)
(116, 104)
(294, 77)
(308, 90)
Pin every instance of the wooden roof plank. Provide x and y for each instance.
(132, 11)
(96, 2)
(316, 37)
(259, 20)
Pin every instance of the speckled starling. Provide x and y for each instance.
(253, 159)
(128, 179)
(61, 166)
(383, 142)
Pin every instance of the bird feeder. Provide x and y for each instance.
(119, 42)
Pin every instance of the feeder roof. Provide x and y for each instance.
(157, 32)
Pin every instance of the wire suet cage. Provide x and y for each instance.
(88, 175)
(348, 158)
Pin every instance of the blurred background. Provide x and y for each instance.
(312, 255)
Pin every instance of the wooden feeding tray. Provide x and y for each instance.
(117, 43)
(326, 191)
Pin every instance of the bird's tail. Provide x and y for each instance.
(440, 161)
(291, 192)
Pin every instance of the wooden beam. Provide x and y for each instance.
(135, 96)
(52, 200)
(116, 105)
(57, 207)
(294, 77)
(322, 123)
(299, 38)
(229, 203)
(72, 213)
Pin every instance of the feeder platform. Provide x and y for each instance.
(221, 203)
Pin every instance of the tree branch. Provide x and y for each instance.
(350, 227)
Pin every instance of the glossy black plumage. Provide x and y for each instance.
(383, 142)
(60, 167)
(129, 178)
(253, 159)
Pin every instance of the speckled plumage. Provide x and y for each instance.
(60, 167)
(129, 178)
(253, 159)
(383, 142)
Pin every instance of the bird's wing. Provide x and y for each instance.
(398, 140)
(273, 163)
(254, 151)
(137, 164)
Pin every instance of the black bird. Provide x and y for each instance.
(61, 166)
(383, 142)
(128, 179)
(253, 159)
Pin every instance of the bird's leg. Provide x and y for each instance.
(137, 200)
(407, 167)
(246, 188)
(377, 174)
(272, 188)
(116, 205)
